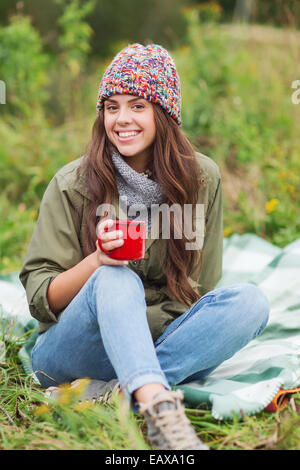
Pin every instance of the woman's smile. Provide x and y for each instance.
(127, 136)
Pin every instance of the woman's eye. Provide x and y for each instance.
(112, 107)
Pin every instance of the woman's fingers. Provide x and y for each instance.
(109, 241)
(110, 245)
(112, 235)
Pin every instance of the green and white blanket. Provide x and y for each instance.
(250, 380)
(252, 377)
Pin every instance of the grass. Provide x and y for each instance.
(29, 422)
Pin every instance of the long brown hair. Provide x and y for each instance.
(175, 168)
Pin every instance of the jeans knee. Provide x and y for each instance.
(254, 303)
(117, 277)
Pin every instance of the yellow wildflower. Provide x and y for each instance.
(83, 405)
(290, 188)
(282, 174)
(271, 205)
(41, 410)
(227, 231)
(79, 386)
(67, 392)
(64, 394)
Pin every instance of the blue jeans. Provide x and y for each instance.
(104, 334)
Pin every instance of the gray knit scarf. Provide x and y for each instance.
(135, 190)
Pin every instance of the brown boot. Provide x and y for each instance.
(168, 426)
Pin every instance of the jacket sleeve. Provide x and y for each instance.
(208, 270)
(54, 248)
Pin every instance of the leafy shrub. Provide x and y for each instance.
(237, 109)
(67, 69)
(23, 66)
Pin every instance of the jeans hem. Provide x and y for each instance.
(138, 381)
(144, 378)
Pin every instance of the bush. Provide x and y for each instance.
(23, 67)
(237, 109)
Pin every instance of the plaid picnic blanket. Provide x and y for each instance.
(255, 377)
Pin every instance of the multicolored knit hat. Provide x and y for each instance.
(146, 71)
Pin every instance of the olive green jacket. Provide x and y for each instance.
(57, 240)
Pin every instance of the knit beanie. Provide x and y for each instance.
(145, 71)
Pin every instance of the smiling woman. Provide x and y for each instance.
(157, 322)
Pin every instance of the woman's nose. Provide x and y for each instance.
(123, 116)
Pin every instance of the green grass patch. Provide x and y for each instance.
(29, 421)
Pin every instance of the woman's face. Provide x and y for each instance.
(130, 125)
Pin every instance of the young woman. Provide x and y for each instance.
(148, 324)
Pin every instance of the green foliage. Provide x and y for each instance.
(67, 70)
(111, 21)
(237, 109)
(228, 93)
(204, 12)
(30, 154)
(32, 149)
(76, 33)
(23, 67)
(204, 67)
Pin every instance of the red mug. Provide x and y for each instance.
(134, 236)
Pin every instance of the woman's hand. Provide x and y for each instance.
(109, 240)
(67, 284)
